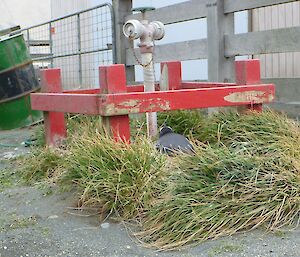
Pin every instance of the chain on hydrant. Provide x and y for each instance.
(147, 33)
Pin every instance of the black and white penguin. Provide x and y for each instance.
(172, 143)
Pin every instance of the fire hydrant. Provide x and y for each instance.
(147, 33)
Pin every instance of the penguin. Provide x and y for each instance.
(172, 143)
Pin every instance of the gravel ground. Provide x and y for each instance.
(37, 222)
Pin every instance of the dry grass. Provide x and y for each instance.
(245, 174)
(116, 176)
(43, 163)
(246, 177)
(186, 122)
(262, 133)
(220, 192)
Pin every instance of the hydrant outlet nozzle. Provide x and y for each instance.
(135, 29)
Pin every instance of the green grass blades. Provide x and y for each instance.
(185, 122)
(75, 124)
(245, 174)
(220, 192)
(263, 132)
(116, 176)
(43, 163)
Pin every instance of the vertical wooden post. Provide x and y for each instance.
(170, 76)
(54, 122)
(113, 80)
(122, 8)
(248, 73)
(220, 68)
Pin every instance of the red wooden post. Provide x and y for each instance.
(247, 72)
(54, 122)
(112, 81)
(171, 72)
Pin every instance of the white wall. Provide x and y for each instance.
(24, 12)
(279, 65)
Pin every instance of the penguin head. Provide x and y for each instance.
(165, 130)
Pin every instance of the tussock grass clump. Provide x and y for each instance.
(76, 124)
(261, 133)
(220, 192)
(245, 174)
(185, 122)
(116, 176)
(43, 163)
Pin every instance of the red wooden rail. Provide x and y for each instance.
(115, 100)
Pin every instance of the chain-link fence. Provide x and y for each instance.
(77, 43)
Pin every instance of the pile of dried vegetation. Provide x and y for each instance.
(244, 174)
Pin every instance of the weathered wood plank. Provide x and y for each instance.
(121, 104)
(190, 10)
(220, 69)
(242, 5)
(263, 42)
(186, 50)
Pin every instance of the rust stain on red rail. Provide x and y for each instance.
(250, 96)
(135, 106)
(126, 103)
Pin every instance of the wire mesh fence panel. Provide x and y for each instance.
(77, 44)
(38, 42)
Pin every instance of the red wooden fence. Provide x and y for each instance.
(115, 100)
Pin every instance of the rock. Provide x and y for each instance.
(105, 225)
(9, 155)
(53, 217)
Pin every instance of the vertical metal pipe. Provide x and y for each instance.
(28, 40)
(79, 49)
(114, 35)
(51, 44)
(149, 83)
(28, 43)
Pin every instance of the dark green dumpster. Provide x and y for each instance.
(17, 81)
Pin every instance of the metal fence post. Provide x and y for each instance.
(51, 43)
(122, 8)
(220, 68)
(28, 43)
(79, 49)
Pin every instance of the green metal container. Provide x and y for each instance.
(17, 81)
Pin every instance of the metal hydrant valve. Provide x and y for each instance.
(145, 31)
